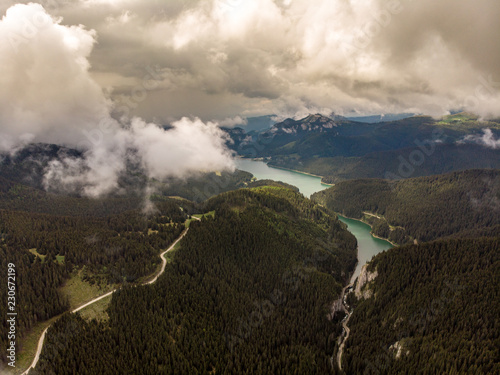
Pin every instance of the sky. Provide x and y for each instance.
(103, 75)
(220, 59)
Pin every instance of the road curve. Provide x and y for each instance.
(163, 266)
(341, 347)
(162, 256)
(344, 325)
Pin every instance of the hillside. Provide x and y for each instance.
(459, 204)
(339, 149)
(27, 167)
(59, 241)
(248, 291)
(395, 164)
(434, 310)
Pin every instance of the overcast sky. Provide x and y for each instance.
(102, 75)
(218, 59)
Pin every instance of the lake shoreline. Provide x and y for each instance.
(364, 222)
(290, 170)
(297, 171)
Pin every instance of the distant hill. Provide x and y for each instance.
(27, 164)
(396, 164)
(27, 167)
(380, 118)
(283, 136)
(459, 204)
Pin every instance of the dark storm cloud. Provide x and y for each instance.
(221, 58)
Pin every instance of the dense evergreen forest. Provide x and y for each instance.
(48, 237)
(395, 164)
(434, 310)
(249, 291)
(459, 204)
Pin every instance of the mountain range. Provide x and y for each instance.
(340, 149)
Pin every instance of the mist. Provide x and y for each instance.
(48, 95)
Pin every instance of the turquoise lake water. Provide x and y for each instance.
(368, 246)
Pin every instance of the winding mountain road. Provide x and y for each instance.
(347, 331)
(163, 266)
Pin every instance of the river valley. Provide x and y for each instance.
(368, 246)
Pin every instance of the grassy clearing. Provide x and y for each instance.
(79, 291)
(170, 255)
(199, 216)
(97, 310)
(211, 213)
(466, 122)
(59, 258)
(36, 253)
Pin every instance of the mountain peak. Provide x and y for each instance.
(316, 118)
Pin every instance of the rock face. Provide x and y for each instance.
(312, 123)
(364, 278)
(396, 348)
(335, 308)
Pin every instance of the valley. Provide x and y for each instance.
(378, 203)
(268, 187)
(368, 245)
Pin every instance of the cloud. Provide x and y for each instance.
(48, 95)
(487, 139)
(44, 80)
(190, 146)
(219, 59)
(252, 57)
(233, 122)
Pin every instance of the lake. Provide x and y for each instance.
(307, 184)
(368, 246)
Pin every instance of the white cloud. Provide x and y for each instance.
(487, 139)
(190, 146)
(364, 57)
(225, 58)
(262, 56)
(48, 95)
(44, 81)
(231, 122)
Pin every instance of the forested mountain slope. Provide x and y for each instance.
(248, 291)
(396, 164)
(459, 204)
(433, 310)
(339, 149)
(28, 167)
(50, 238)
